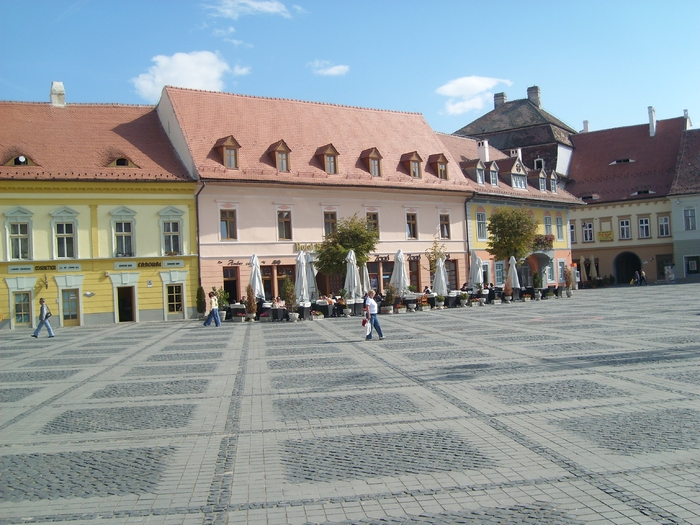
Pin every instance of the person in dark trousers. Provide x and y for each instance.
(636, 278)
(44, 315)
(643, 279)
(371, 309)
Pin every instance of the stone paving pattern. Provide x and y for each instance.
(566, 411)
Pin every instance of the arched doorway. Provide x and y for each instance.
(626, 264)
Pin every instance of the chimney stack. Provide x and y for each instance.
(58, 94)
(516, 153)
(483, 149)
(533, 95)
(585, 127)
(499, 99)
(652, 121)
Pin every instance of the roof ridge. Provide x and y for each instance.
(79, 104)
(644, 124)
(297, 100)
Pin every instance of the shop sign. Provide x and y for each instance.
(20, 269)
(173, 264)
(45, 268)
(149, 264)
(131, 265)
(306, 246)
(69, 267)
(605, 235)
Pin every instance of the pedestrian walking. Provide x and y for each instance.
(44, 316)
(636, 278)
(213, 311)
(371, 309)
(643, 279)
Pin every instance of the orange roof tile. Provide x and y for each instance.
(79, 141)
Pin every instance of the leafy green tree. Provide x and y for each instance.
(221, 296)
(201, 300)
(289, 295)
(352, 233)
(511, 232)
(435, 252)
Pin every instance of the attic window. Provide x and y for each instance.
(227, 148)
(519, 182)
(279, 153)
(494, 177)
(621, 161)
(543, 184)
(553, 183)
(328, 156)
(642, 192)
(438, 162)
(539, 164)
(373, 160)
(412, 163)
(479, 176)
(593, 197)
(20, 160)
(122, 162)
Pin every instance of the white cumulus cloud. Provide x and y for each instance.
(196, 70)
(469, 93)
(236, 8)
(240, 71)
(325, 68)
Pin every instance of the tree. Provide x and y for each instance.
(435, 252)
(511, 233)
(201, 300)
(351, 233)
(221, 296)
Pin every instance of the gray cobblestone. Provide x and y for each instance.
(204, 368)
(47, 375)
(447, 354)
(160, 388)
(10, 395)
(343, 406)
(320, 382)
(68, 361)
(189, 356)
(318, 362)
(568, 390)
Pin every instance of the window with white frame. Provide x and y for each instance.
(372, 221)
(331, 164)
(519, 182)
(19, 241)
(482, 233)
(562, 268)
(644, 228)
(330, 222)
(499, 268)
(625, 231)
(548, 224)
(553, 184)
(572, 231)
(689, 218)
(543, 184)
(480, 176)
(415, 169)
(442, 170)
(560, 228)
(411, 226)
(284, 225)
(231, 157)
(282, 161)
(550, 272)
(171, 229)
(229, 226)
(374, 167)
(444, 226)
(65, 240)
(124, 231)
(494, 178)
(486, 272)
(664, 226)
(587, 232)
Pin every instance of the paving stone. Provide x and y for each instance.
(203, 368)
(160, 388)
(47, 375)
(328, 381)
(343, 406)
(75, 361)
(318, 362)
(557, 391)
(10, 395)
(189, 356)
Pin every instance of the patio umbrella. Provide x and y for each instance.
(476, 274)
(399, 277)
(301, 290)
(440, 279)
(594, 272)
(311, 277)
(513, 273)
(352, 277)
(364, 278)
(256, 278)
(582, 269)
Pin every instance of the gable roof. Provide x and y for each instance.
(648, 164)
(79, 141)
(687, 178)
(257, 122)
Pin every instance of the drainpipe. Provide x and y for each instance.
(199, 255)
(466, 233)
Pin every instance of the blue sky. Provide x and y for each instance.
(601, 61)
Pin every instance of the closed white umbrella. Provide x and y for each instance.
(440, 279)
(476, 273)
(300, 289)
(399, 277)
(594, 272)
(311, 277)
(352, 277)
(364, 278)
(582, 269)
(256, 278)
(513, 273)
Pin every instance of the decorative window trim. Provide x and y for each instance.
(547, 223)
(370, 156)
(538, 163)
(228, 207)
(414, 212)
(328, 157)
(282, 208)
(328, 209)
(485, 222)
(280, 147)
(667, 224)
(174, 278)
(223, 146)
(411, 160)
(19, 214)
(171, 214)
(441, 214)
(374, 209)
(123, 214)
(64, 214)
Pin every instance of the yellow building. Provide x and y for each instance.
(98, 215)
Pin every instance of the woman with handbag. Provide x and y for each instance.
(44, 315)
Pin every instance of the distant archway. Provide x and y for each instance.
(626, 264)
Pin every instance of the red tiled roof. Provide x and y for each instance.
(78, 141)
(466, 150)
(687, 179)
(257, 122)
(651, 173)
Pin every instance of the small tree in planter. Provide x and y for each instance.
(290, 299)
(508, 291)
(463, 298)
(568, 281)
(221, 296)
(251, 305)
(201, 301)
(389, 298)
(537, 284)
(439, 301)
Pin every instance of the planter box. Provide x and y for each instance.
(401, 310)
(237, 319)
(387, 309)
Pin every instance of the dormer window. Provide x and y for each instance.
(494, 177)
(621, 161)
(412, 163)
(543, 184)
(480, 176)
(539, 164)
(553, 183)
(227, 148)
(279, 154)
(122, 162)
(373, 160)
(518, 182)
(328, 156)
(20, 160)
(438, 163)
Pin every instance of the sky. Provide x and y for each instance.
(601, 61)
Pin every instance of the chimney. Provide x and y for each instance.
(652, 121)
(58, 94)
(533, 95)
(499, 99)
(585, 127)
(516, 153)
(483, 147)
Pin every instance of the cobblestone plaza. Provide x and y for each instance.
(565, 411)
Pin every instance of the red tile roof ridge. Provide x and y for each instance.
(79, 104)
(258, 97)
(629, 126)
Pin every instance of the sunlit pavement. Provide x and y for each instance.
(580, 410)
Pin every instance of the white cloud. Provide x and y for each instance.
(236, 8)
(196, 70)
(325, 68)
(468, 93)
(241, 71)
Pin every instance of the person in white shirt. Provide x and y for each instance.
(371, 309)
(213, 311)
